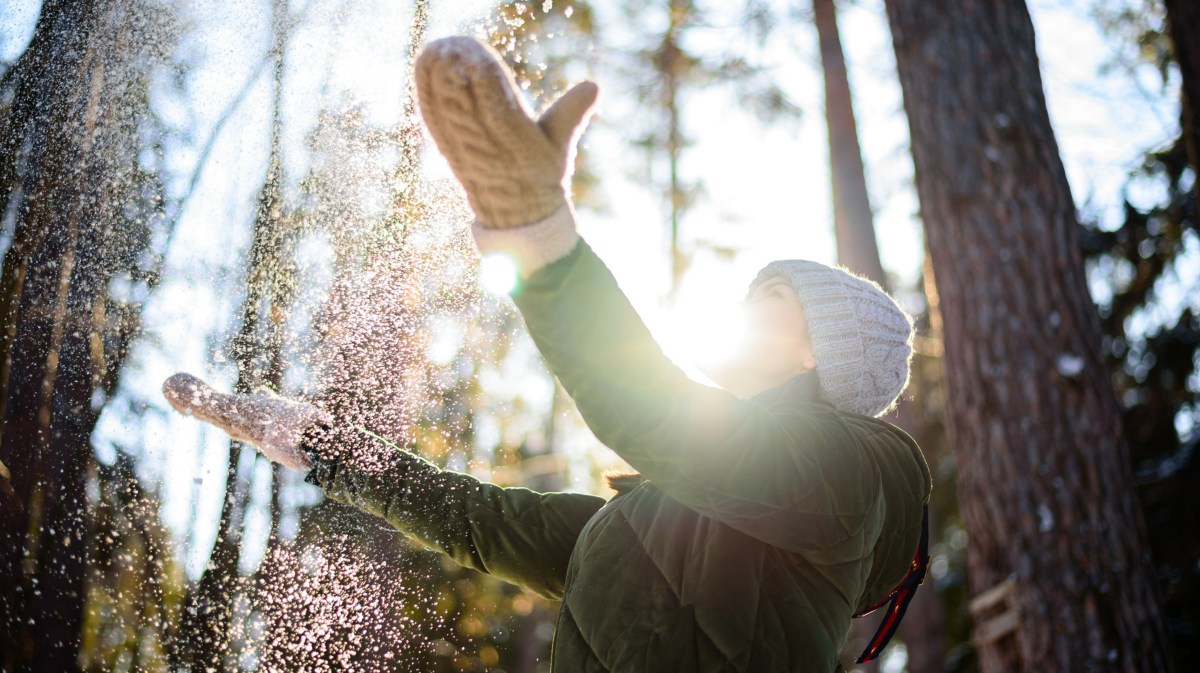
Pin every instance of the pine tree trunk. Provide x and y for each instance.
(853, 222)
(671, 65)
(858, 250)
(1058, 560)
(924, 629)
(258, 353)
(53, 277)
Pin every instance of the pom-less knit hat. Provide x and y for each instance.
(861, 338)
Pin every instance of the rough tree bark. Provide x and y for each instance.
(1058, 560)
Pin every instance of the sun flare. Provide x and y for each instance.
(498, 273)
(698, 334)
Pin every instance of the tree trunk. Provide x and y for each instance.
(258, 353)
(858, 250)
(671, 64)
(853, 222)
(69, 174)
(1058, 560)
(925, 626)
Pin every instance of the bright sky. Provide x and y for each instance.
(767, 188)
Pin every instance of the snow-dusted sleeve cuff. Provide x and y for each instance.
(531, 246)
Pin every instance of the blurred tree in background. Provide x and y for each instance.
(665, 69)
(923, 630)
(81, 192)
(258, 352)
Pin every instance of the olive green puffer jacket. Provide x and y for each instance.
(760, 527)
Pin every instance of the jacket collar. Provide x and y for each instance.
(801, 387)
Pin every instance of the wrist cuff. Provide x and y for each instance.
(531, 246)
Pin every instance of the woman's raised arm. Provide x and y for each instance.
(799, 478)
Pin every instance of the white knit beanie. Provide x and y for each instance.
(861, 338)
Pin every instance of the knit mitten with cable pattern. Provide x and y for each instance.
(515, 170)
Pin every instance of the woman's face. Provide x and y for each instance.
(776, 345)
(776, 331)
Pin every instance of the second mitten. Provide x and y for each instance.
(275, 425)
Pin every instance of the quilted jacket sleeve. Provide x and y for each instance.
(516, 534)
(798, 477)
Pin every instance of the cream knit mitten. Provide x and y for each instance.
(273, 424)
(516, 171)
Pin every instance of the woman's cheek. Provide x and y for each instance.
(767, 319)
(765, 344)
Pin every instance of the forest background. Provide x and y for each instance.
(244, 191)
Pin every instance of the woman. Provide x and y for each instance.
(766, 513)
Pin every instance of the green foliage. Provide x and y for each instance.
(1152, 341)
(1138, 29)
(1153, 352)
(135, 584)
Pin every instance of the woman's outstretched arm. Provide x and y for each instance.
(516, 534)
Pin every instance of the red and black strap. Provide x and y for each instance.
(900, 596)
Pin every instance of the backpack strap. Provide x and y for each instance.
(899, 597)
